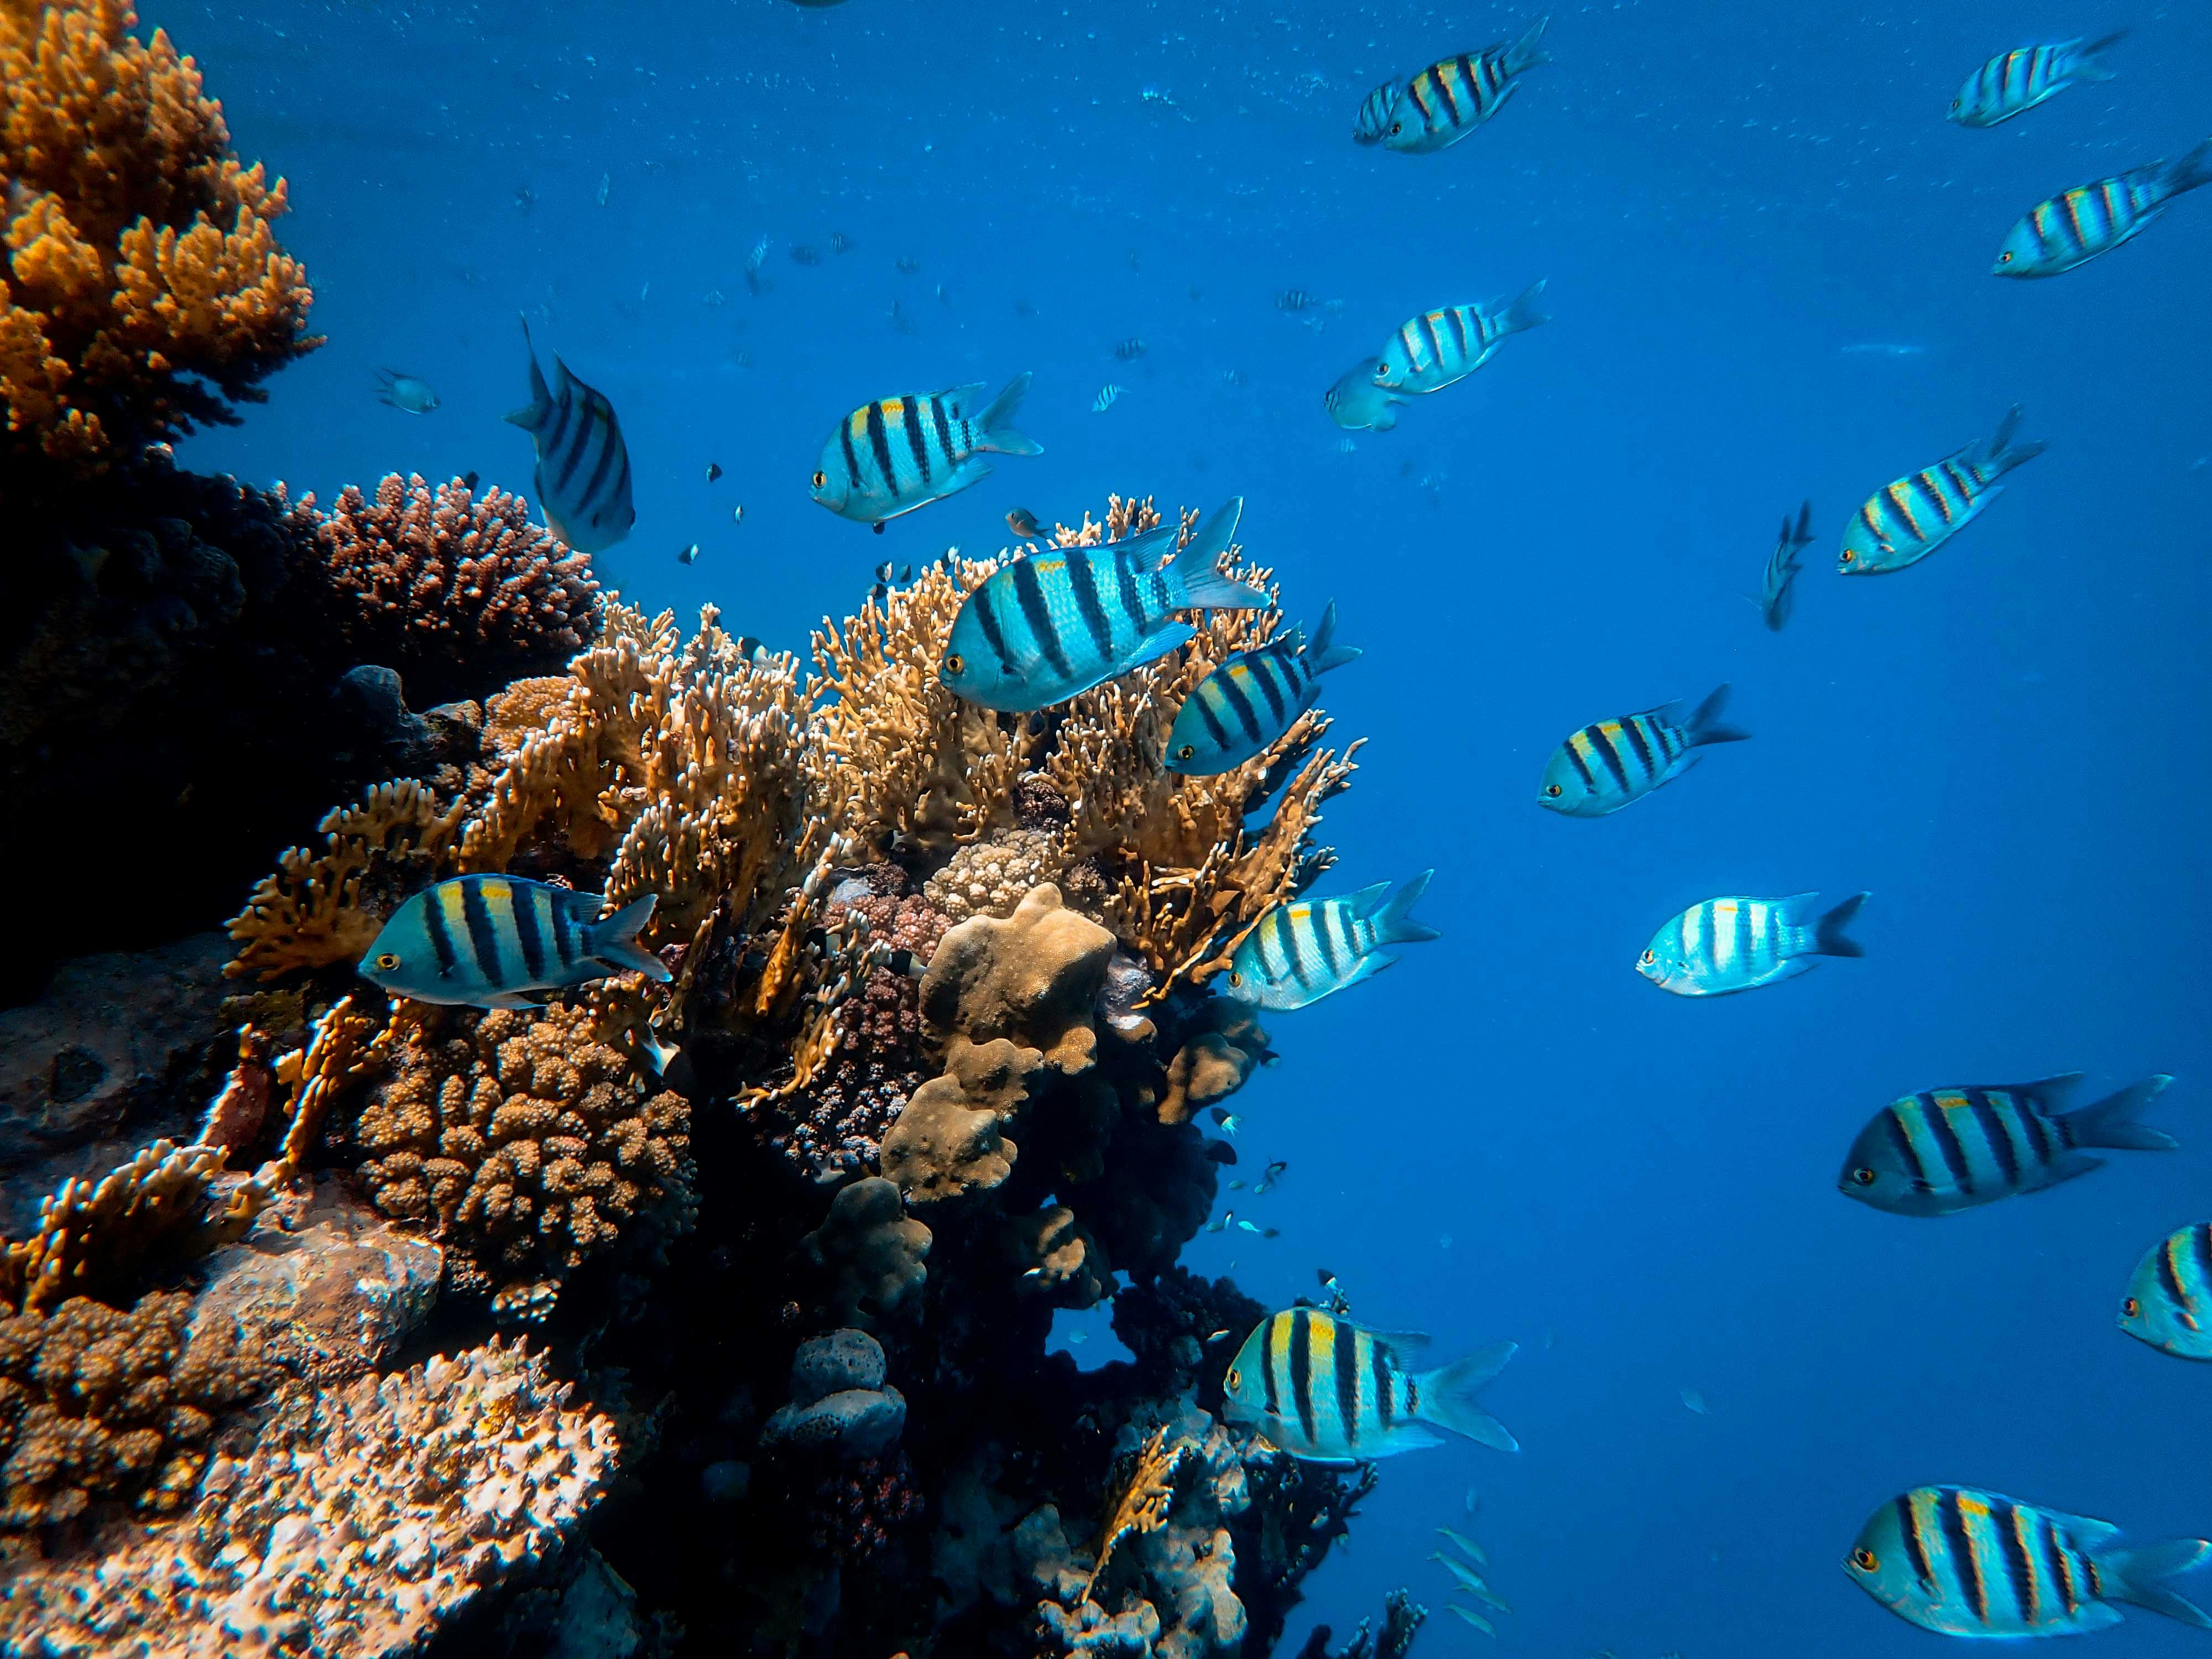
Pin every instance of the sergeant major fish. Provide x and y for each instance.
(1441, 104)
(1603, 767)
(1963, 1562)
(2073, 228)
(484, 941)
(405, 391)
(1946, 1150)
(1903, 522)
(1058, 621)
(1301, 951)
(1736, 944)
(1439, 348)
(2169, 1299)
(2012, 83)
(895, 454)
(1249, 700)
(1374, 119)
(1774, 597)
(582, 478)
(1357, 404)
(1323, 1389)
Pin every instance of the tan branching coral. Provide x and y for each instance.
(1144, 1503)
(521, 1141)
(144, 291)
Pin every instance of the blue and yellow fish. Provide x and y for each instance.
(2012, 83)
(895, 454)
(1060, 620)
(1438, 348)
(1775, 596)
(1249, 700)
(1947, 1150)
(1737, 944)
(1357, 403)
(2169, 1299)
(582, 478)
(2074, 228)
(1374, 119)
(1962, 1562)
(1439, 105)
(1301, 951)
(485, 940)
(1603, 767)
(1323, 1389)
(1902, 523)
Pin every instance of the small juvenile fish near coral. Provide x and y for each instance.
(1300, 952)
(1453, 96)
(895, 454)
(582, 478)
(2013, 83)
(1105, 399)
(1964, 1562)
(2074, 228)
(1226, 1121)
(1059, 621)
(1737, 944)
(1774, 599)
(1603, 767)
(1321, 1388)
(1249, 700)
(1359, 404)
(1022, 523)
(1902, 523)
(405, 391)
(1439, 348)
(2169, 1299)
(1946, 1150)
(484, 941)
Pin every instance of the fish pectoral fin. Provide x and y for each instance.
(1169, 637)
(508, 1000)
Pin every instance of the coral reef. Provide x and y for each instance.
(1402, 1618)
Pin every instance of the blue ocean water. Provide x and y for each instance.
(1510, 1134)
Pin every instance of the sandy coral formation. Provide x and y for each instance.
(870, 1255)
(454, 590)
(841, 1405)
(525, 1142)
(145, 291)
(1032, 978)
(360, 1522)
(988, 878)
(1222, 1042)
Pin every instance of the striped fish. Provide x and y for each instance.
(1321, 1388)
(485, 940)
(2014, 81)
(1774, 597)
(1432, 350)
(1060, 620)
(1374, 111)
(582, 478)
(1104, 400)
(1966, 1563)
(1452, 97)
(1300, 952)
(2074, 228)
(1737, 944)
(1946, 1150)
(1357, 403)
(1903, 522)
(1603, 767)
(898, 454)
(1249, 700)
(2169, 1300)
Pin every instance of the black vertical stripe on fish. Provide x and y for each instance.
(1302, 1369)
(1241, 706)
(2007, 1520)
(2096, 1576)
(2051, 1553)
(483, 936)
(2200, 1244)
(527, 934)
(1029, 592)
(1267, 1367)
(1132, 601)
(1287, 945)
(1992, 1125)
(1347, 1370)
(1953, 1522)
(1948, 1146)
(1590, 779)
(608, 453)
(1932, 495)
(1081, 576)
(1327, 945)
(1264, 670)
(917, 442)
(565, 462)
(441, 939)
(1379, 1369)
(2169, 1281)
(1214, 728)
(2038, 1130)
(549, 442)
(879, 443)
(567, 931)
(1451, 98)
(1742, 935)
(1459, 330)
(2064, 1130)
(853, 478)
(986, 614)
(1908, 1525)
(1633, 728)
(1900, 1138)
(1436, 341)
(1603, 745)
(943, 428)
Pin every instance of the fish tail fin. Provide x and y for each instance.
(1526, 53)
(2002, 454)
(1448, 1396)
(1828, 939)
(613, 943)
(2190, 170)
(1394, 917)
(2085, 64)
(994, 426)
(1322, 651)
(2131, 1575)
(541, 396)
(2112, 1122)
(1525, 312)
(1704, 725)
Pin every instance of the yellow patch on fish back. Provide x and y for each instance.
(1048, 567)
(859, 424)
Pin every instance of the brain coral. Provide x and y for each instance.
(525, 1141)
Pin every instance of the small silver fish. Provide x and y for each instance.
(1264, 1232)
(1464, 1545)
(713, 470)
(738, 514)
(1695, 1401)
(1074, 1337)
(405, 391)
(606, 183)
(1104, 400)
(689, 555)
(1473, 1619)
(1218, 1335)
(1226, 1121)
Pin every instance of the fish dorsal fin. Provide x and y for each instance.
(1366, 899)
(2085, 1530)
(541, 400)
(959, 401)
(1150, 549)
(1403, 1342)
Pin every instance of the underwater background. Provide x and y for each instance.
(1768, 259)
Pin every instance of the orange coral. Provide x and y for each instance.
(145, 292)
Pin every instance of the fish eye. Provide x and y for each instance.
(1187, 752)
(1864, 1559)
(1396, 127)
(2130, 1308)
(2004, 258)
(1849, 556)
(820, 478)
(1650, 956)
(1235, 978)
(1552, 790)
(387, 962)
(1234, 1377)
(1864, 1176)
(954, 663)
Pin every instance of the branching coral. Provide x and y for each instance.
(455, 591)
(1143, 1505)
(145, 291)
